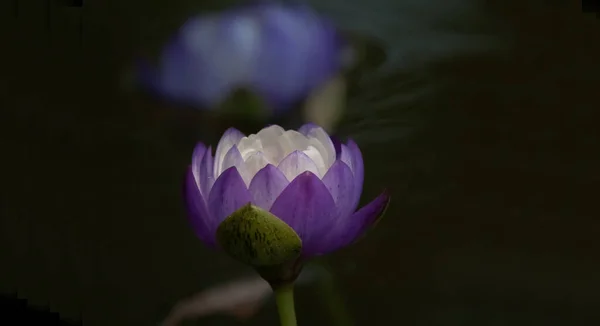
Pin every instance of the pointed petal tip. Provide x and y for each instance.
(230, 173)
(306, 205)
(351, 143)
(233, 131)
(267, 185)
(359, 223)
(378, 207)
(199, 151)
(228, 194)
(307, 127)
(297, 164)
(339, 180)
(196, 210)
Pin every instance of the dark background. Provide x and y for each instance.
(482, 124)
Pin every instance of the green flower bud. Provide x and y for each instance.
(258, 238)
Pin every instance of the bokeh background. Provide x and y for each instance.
(481, 121)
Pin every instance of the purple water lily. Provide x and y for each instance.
(281, 52)
(307, 179)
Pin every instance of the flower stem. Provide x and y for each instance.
(284, 296)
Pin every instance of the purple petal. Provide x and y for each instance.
(337, 144)
(234, 158)
(345, 155)
(230, 137)
(351, 155)
(349, 230)
(318, 137)
(227, 195)
(306, 205)
(307, 127)
(358, 169)
(207, 178)
(196, 210)
(197, 155)
(339, 180)
(252, 164)
(266, 186)
(296, 163)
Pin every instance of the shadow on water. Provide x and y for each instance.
(481, 122)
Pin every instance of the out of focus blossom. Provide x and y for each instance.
(279, 52)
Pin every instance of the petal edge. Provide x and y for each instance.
(266, 186)
(197, 213)
(357, 224)
(306, 205)
(227, 195)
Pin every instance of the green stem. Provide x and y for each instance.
(284, 296)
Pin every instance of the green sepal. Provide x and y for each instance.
(258, 238)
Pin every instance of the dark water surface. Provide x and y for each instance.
(482, 123)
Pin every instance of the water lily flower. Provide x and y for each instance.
(280, 52)
(307, 179)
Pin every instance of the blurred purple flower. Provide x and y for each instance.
(307, 179)
(281, 52)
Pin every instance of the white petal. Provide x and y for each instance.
(296, 163)
(253, 164)
(318, 159)
(250, 145)
(271, 145)
(271, 131)
(231, 137)
(319, 138)
(292, 141)
(234, 158)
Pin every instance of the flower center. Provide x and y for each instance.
(273, 145)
